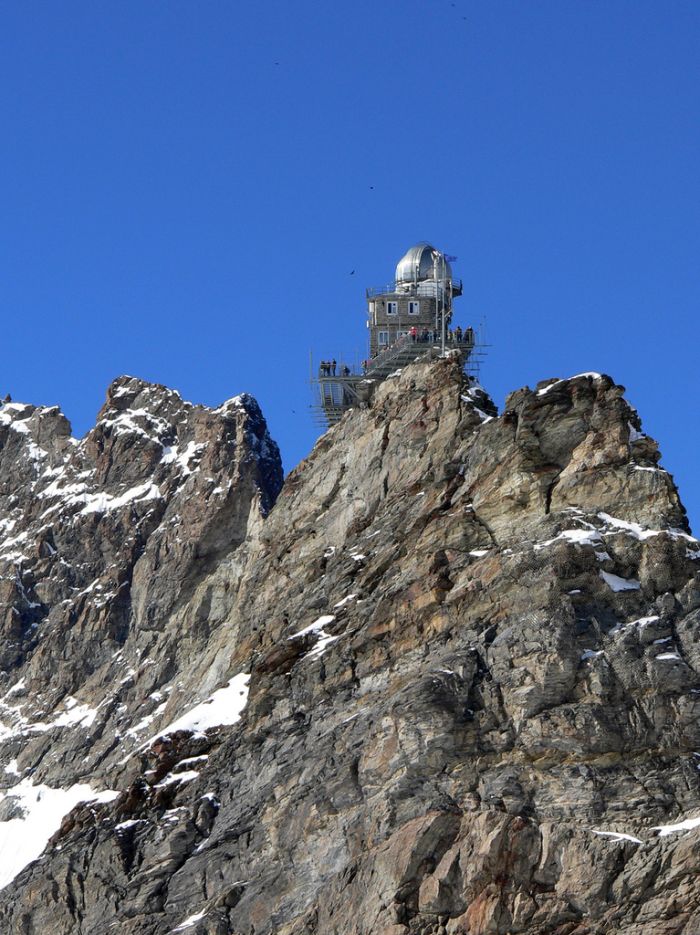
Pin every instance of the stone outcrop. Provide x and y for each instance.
(449, 683)
(104, 542)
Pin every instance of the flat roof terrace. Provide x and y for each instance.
(426, 287)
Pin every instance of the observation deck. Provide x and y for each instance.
(342, 391)
(427, 287)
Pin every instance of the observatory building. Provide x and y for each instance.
(407, 319)
(420, 298)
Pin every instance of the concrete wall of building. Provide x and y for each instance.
(383, 321)
(424, 318)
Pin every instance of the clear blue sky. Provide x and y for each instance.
(186, 187)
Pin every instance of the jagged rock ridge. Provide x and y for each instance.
(471, 646)
(104, 541)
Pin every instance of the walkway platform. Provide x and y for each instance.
(336, 394)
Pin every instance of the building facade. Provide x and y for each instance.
(418, 302)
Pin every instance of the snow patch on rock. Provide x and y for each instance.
(23, 839)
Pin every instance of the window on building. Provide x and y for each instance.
(382, 338)
(414, 308)
(372, 307)
(392, 308)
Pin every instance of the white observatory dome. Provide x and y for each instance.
(416, 265)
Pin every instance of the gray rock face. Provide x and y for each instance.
(103, 540)
(450, 683)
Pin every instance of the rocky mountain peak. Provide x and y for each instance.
(448, 683)
(91, 521)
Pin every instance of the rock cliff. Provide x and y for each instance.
(448, 683)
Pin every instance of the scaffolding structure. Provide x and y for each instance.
(472, 365)
(335, 393)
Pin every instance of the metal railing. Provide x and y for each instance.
(408, 288)
(406, 343)
(353, 371)
(373, 291)
(419, 345)
(336, 393)
(394, 350)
